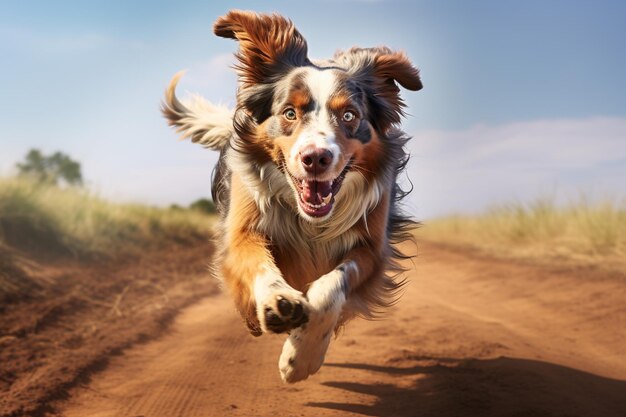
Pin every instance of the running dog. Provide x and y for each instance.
(305, 184)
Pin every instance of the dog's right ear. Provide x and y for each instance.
(379, 70)
(269, 45)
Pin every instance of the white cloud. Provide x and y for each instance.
(468, 170)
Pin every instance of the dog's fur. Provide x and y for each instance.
(307, 193)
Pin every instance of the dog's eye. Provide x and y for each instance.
(348, 116)
(290, 114)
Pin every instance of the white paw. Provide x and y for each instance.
(305, 348)
(303, 353)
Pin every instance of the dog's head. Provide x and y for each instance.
(316, 121)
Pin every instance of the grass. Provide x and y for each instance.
(582, 232)
(73, 221)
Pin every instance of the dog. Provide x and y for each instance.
(305, 184)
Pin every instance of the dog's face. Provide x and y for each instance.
(317, 132)
(320, 124)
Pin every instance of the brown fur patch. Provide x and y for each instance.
(267, 44)
(340, 102)
(246, 252)
(300, 99)
(396, 66)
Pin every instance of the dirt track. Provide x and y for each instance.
(471, 337)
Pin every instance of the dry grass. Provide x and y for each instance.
(73, 221)
(581, 232)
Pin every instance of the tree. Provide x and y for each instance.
(204, 204)
(52, 169)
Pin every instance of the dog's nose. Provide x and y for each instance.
(316, 160)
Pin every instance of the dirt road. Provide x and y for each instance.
(470, 337)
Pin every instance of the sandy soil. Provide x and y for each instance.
(71, 316)
(471, 337)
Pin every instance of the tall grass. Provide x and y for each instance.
(580, 231)
(39, 217)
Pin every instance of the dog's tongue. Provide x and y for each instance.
(314, 191)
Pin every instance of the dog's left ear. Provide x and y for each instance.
(269, 44)
(269, 47)
(378, 71)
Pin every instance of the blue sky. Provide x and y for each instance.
(520, 99)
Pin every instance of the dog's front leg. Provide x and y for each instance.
(262, 296)
(279, 307)
(305, 348)
(304, 351)
(265, 300)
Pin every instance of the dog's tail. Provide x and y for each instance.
(205, 123)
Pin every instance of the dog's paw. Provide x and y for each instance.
(303, 354)
(305, 348)
(284, 311)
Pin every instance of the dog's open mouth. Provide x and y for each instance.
(316, 198)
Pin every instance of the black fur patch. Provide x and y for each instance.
(344, 279)
(258, 101)
(363, 132)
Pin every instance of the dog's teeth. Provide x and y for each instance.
(303, 183)
(326, 199)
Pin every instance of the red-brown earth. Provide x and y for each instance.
(472, 336)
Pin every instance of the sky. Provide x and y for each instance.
(521, 100)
